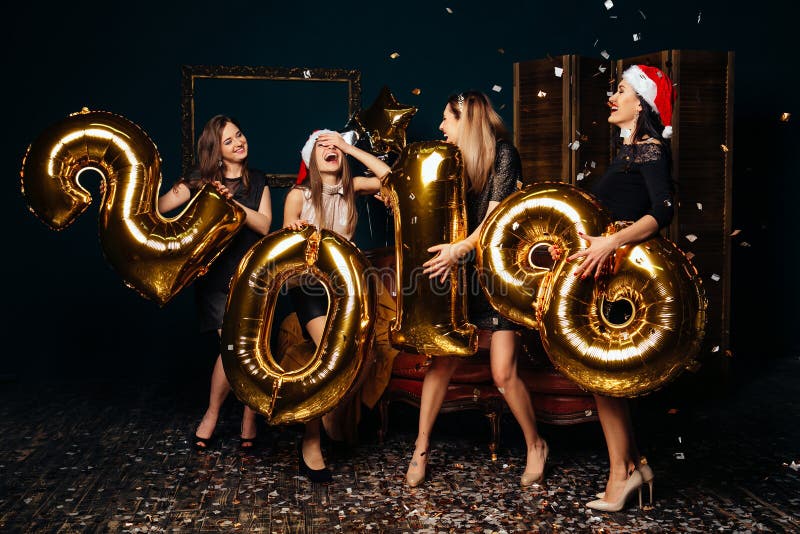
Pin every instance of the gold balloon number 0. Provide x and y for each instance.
(625, 335)
(154, 255)
(331, 373)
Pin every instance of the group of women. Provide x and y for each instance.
(637, 188)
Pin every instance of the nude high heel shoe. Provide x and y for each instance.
(418, 477)
(529, 479)
(633, 483)
(647, 478)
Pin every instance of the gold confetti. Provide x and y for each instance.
(394, 55)
(541, 94)
(416, 91)
(785, 117)
(736, 232)
(724, 148)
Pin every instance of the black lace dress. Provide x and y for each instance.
(637, 183)
(501, 183)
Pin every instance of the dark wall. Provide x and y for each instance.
(68, 313)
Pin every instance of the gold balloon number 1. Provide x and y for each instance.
(155, 256)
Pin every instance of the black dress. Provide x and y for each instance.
(211, 289)
(502, 182)
(638, 183)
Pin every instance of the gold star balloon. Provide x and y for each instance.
(384, 123)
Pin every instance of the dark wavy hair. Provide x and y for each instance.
(649, 126)
(210, 167)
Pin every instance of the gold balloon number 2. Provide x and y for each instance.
(155, 256)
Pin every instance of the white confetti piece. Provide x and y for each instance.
(448, 10)
(497, 88)
(579, 177)
(541, 94)
(715, 348)
(595, 43)
(559, 71)
(700, 206)
(699, 16)
(609, 4)
(644, 17)
(715, 277)
(691, 238)
(593, 164)
(575, 145)
(414, 220)
(679, 456)
(394, 55)
(637, 37)
(744, 244)
(602, 68)
(588, 413)
(609, 93)
(794, 466)
(605, 54)
(306, 74)
(515, 225)
(411, 196)
(736, 232)
(230, 347)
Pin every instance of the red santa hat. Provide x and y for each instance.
(350, 138)
(656, 89)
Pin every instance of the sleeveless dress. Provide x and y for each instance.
(309, 297)
(211, 289)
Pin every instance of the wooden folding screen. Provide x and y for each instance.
(561, 130)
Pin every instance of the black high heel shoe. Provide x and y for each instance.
(204, 444)
(248, 444)
(314, 475)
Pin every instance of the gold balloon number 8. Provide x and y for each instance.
(625, 335)
(155, 256)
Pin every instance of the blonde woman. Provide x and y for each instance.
(493, 167)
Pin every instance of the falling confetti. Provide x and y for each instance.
(736, 232)
(307, 74)
(579, 177)
(602, 68)
(691, 238)
(609, 4)
(448, 10)
(605, 54)
(699, 16)
(501, 50)
(416, 91)
(644, 17)
(394, 55)
(575, 145)
(637, 37)
(724, 148)
(744, 244)
(785, 117)
(497, 88)
(558, 71)
(715, 277)
(700, 206)
(595, 43)
(541, 94)
(715, 348)
(689, 256)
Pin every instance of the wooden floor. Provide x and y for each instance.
(99, 456)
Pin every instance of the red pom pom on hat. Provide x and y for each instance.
(656, 89)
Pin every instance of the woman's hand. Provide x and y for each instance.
(595, 256)
(222, 190)
(298, 224)
(447, 256)
(334, 139)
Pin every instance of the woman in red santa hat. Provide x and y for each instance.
(637, 188)
(325, 197)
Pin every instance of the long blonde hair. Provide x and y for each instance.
(313, 183)
(479, 129)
